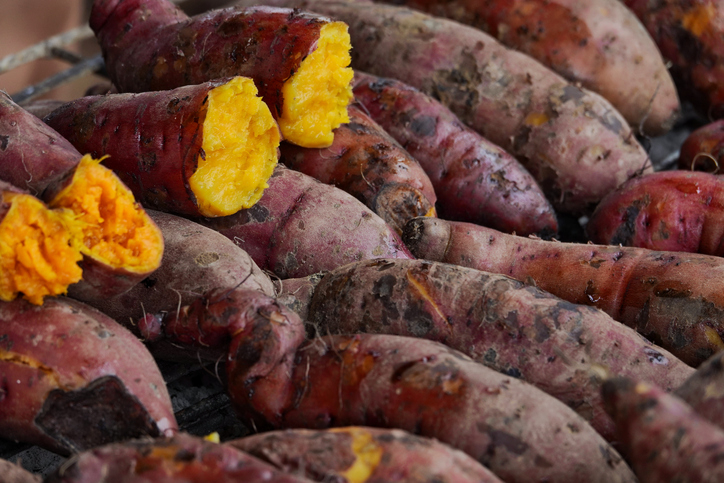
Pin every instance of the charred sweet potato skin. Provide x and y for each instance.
(366, 162)
(474, 179)
(64, 365)
(668, 211)
(302, 226)
(703, 149)
(373, 455)
(181, 458)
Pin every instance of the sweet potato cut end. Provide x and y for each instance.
(367, 452)
(37, 255)
(317, 95)
(241, 146)
(111, 227)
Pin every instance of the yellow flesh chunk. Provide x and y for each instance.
(317, 95)
(367, 451)
(113, 228)
(37, 256)
(241, 143)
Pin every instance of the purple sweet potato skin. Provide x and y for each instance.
(65, 368)
(514, 429)
(662, 295)
(368, 163)
(662, 437)
(704, 390)
(301, 226)
(327, 455)
(512, 100)
(518, 330)
(181, 458)
(475, 180)
(680, 211)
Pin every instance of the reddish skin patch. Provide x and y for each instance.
(703, 149)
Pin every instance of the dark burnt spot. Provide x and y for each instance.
(258, 213)
(490, 357)
(358, 128)
(379, 85)
(184, 455)
(419, 321)
(147, 161)
(399, 373)
(506, 441)
(671, 292)
(173, 106)
(646, 404)
(572, 93)
(542, 331)
(541, 462)
(678, 436)
(149, 282)
(612, 458)
(522, 138)
(424, 126)
(384, 287)
(627, 229)
(513, 372)
(4, 140)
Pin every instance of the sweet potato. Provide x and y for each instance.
(302, 226)
(662, 295)
(13, 473)
(72, 378)
(183, 458)
(662, 437)
(688, 34)
(119, 242)
(276, 378)
(474, 179)
(518, 330)
(299, 62)
(597, 43)
(704, 390)
(366, 162)
(703, 149)
(370, 455)
(573, 141)
(677, 210)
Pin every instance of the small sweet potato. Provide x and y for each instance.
(370, 455)
(366, 162)
(573, 141)
(72, 378)
(183, 458)
(302, 226)
(202, 150)
(703, 149)
(299, 61)
(474, 179)
(661, 436)
(680, 211)
(704, 390)
(662, 295)
(597, 43)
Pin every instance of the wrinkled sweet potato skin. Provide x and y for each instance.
(515, 329)
(474, 179)
(662, 295)
(387, 455)
(365, 161)
(688, 34)
(680, 211)
(420, 386)
(73, 378)
(704, 390)
(152, 140)
(662, 437)
(703, 149)
(512, 100)
(598, 43)
(181, 458)
(221, 43)
(302, 226)
(12, 473)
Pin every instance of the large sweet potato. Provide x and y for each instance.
(572, 141)
(597, 43)
(474, 179)
(360, 454)
(302, 226)
(201, 150)
(72, 378)
(660, 294)
(298, 61)
(518, 330)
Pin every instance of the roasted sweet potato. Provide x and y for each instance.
(521, 331)
(704, 390)
(474, 179)
(12, 473)
(302, 226)
(72, 378)
(703, 149)
(202, 150)
(366, 162)
(119, 242)
(660, 294)
(183, 458)
(662, 437)
(360, 454)
(597, 43)
(299, 62)
(688, 34)
(573, 141)
(679, 210)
